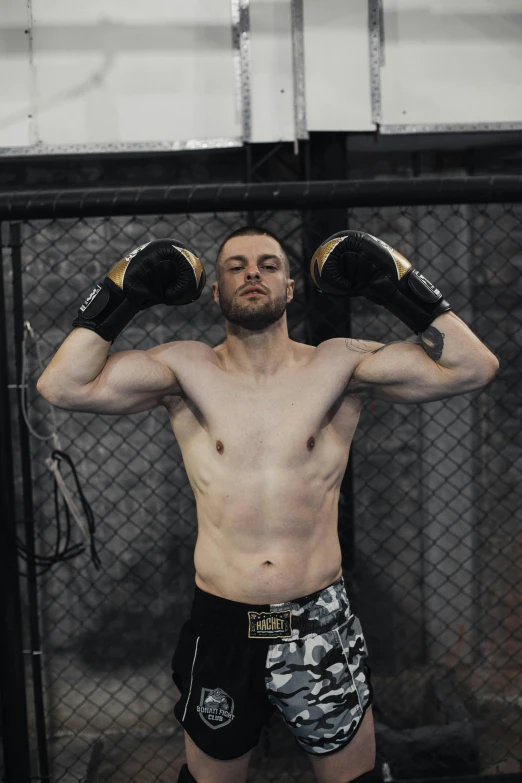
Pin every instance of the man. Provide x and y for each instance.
(265, 425)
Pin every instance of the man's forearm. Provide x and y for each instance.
(453, 345)
(78, 361)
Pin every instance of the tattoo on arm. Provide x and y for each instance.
(433, 342)
(395, 342)
(361, 349)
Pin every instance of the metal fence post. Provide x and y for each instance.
(329, 318)
(15, 242)
(12, 678)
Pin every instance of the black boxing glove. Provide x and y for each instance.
(159, 272)
(351, 263)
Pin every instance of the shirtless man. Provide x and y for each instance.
(265, 425)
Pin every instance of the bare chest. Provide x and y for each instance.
(288, 417)
(265, 422)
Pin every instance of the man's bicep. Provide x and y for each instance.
(131, 382)
(403, 372)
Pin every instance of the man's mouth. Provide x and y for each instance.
(253, 292)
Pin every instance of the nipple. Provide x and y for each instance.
(219, 447)
(310, 443)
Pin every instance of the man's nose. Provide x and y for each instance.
(253, 274)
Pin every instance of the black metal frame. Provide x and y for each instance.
(324, 197)
(32, 580)
(15, 728)
(239, 197)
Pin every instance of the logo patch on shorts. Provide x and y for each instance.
(267, 625)
(216, 708)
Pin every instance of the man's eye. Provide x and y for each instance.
(270, 267)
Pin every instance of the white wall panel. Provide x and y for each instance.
(14, 74)
(337, 65)
(452, 61)
(109, 72)
(116, 72)
(271, 78)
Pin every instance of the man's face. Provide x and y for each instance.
(252, 262)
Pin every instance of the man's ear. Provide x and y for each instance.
(215, 291)
(290, 287)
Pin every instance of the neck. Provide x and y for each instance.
(258, 353)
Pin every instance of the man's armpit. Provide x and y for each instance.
(355, 388)
(173, 399)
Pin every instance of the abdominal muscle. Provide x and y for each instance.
(267, 546)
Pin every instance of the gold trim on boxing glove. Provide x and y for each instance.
(320, 256)
(402, 265)
(117, 272)
(194, 262)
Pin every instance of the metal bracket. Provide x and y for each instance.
(241, 44)
(300, 126)
(376, 35)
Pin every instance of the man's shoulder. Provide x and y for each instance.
(179, 350)
(345, 355)
(348, 347)
(364, 346)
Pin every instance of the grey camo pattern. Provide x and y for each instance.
(319, 682)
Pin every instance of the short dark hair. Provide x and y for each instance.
(253, 231)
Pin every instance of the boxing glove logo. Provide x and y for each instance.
(89, 299)
(423, 288)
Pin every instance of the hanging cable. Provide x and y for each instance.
(84, 519)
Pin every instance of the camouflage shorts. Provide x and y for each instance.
(236, 663)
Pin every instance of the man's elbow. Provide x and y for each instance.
(54, 395)
(488, 371)
(42, 387)
(47, 391)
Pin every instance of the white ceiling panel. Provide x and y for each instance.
(337, 65)
(452, 63)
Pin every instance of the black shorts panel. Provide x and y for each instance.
(223, 705)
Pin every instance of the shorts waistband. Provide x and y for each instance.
(314, 613)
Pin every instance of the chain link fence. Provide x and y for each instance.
(429, 516)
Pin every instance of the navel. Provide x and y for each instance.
(267, 562)
(310, 443)
(219, 447)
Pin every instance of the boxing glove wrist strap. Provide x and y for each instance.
(106, 311)
(416, 302)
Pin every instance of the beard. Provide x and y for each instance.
(254, 317)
